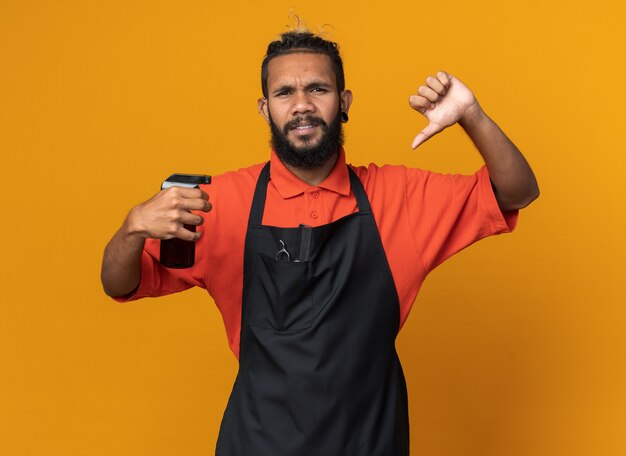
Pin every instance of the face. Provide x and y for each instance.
(303, 107)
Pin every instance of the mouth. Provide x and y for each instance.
(303, 129)
(303, 126)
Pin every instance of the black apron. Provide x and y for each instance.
(318, 370)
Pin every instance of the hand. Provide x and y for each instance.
(163, 215)
(444, 101)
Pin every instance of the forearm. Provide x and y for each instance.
(514, 182)
(121, 263)
(163, 216)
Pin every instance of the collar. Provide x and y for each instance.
(289, 185)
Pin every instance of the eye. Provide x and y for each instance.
(319, 90)
(283, 93)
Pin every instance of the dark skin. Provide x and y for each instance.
(300, 85)
(161, 217)
(305, 83)
(444, 100)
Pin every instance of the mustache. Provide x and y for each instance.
(309, 119)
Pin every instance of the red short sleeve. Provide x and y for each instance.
(448, 212)
(157, 280)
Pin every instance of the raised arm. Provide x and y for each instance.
(444, 100)
(161, 217)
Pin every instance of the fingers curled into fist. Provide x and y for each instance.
(164, 215)
(434, 89)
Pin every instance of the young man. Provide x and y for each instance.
(314, 264)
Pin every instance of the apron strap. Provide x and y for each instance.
(362, 202)
(260, 192)
(258, 202)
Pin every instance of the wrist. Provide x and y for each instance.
(472, 117)
(132, 228)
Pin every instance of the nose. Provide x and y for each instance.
(302, 103)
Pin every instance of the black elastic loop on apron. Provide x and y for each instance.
(260, 193)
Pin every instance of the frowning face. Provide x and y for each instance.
(303, 106)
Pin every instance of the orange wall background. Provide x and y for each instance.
(515, 347)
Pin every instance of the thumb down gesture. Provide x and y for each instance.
(443, 100)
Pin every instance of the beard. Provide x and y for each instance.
(308, 156)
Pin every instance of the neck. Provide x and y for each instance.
(314, 176)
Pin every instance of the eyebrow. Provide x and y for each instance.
(309, 86)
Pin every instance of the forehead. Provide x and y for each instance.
(300, 67)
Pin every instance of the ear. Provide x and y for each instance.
(346, 100)
(264, 109)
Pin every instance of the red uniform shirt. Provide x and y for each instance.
(423, 218)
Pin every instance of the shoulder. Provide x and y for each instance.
(374, 172)
(234, 184)
(231, 195)
(237, 178)
(393, 181)
(373, 175)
